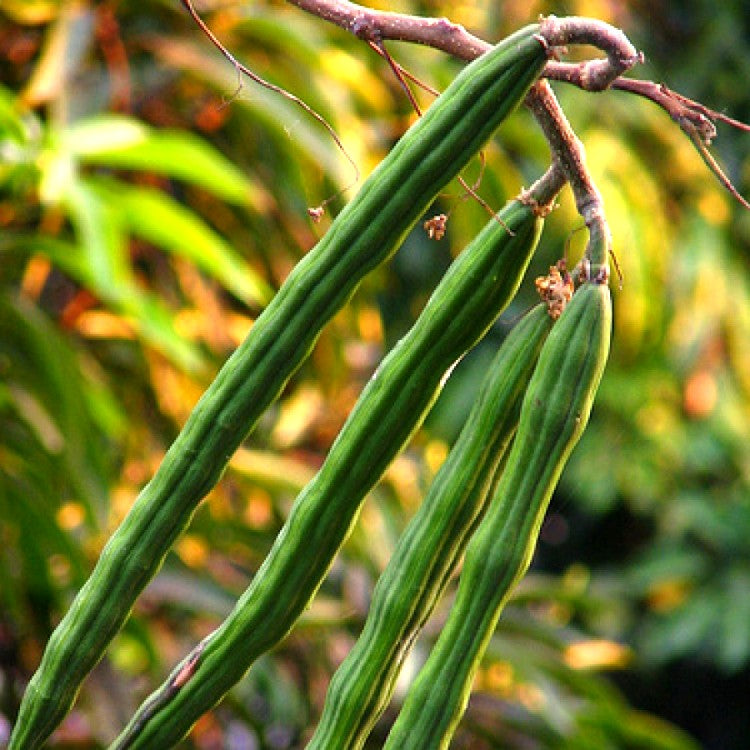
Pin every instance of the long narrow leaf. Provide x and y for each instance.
(120, 141)
(101, 235)
(154, 216)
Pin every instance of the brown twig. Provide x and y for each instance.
(696, 120)
(710, 161)
(569, 150)
(542, 193)
(244, 70)
(398, 71)
(366, 23)
(406, 74)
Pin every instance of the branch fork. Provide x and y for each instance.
(375, 27)
(595, 75)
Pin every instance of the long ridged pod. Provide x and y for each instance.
(553, 416)
(364, 235)
(474, 291)
(426, 554)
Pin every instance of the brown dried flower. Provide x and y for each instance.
(435, 227)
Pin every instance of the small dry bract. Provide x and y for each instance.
(316, 214)
(435, 227)
(555, 289)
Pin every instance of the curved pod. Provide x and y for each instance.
(554, 414)
(427, 552)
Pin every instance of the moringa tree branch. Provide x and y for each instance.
(695, 120)
(568, 154)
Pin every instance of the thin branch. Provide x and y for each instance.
(240, 68)
(710, 161)
(696, 120)
(398, 71)
(366, 23)
(543, 191)
(712, 114)
(410, 76)
(569, 150)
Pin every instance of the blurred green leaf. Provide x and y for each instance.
(124, 142)
(47, 391)
(683, 631)
(100, 231)
(154, 216)
(666, 563)
(734, 615)
(11, 122)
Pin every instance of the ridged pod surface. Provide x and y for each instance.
(429, 549)
(554, 414)
(365, 234)
(474, 291)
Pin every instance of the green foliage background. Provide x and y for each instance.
(148, 209)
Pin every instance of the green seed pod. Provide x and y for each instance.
(474, 291)
(426, 554)
(553, 416)
(364, 235)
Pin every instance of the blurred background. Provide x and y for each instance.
(148, 210)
